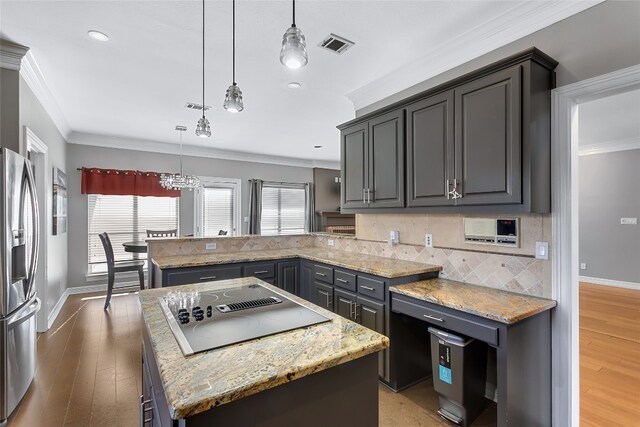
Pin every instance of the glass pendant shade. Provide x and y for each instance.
(203, 130)
(293, 54)
(233, 100)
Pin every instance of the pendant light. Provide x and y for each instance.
(294, 48)
(203, 129)
(179, 181)
(233, 100)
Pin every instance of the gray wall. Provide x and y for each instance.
(89, 156)
(596, 41)
(34, 116)
(610, 190)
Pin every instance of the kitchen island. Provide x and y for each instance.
(319, 375)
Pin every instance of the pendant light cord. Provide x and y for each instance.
(181, 174)
(294, 14)
(203, 105)
(234, 42)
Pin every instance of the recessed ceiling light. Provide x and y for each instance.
(97, 35)
(294, 85)
(317, 146)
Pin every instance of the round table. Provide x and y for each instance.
(139, 247)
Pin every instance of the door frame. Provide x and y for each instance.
(40, 160)
(564, 219)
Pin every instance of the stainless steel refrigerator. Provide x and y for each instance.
(18, 260)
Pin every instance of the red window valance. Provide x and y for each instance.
(124, 183)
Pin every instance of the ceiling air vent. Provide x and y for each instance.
(194, 106)
(336, 44)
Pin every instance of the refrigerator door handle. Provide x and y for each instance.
(36, 229)
(17, 317)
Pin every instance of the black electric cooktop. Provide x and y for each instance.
(206, 320)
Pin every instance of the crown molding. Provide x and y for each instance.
(609, 146)
(11, 54)
(122, 143)
(32, 75)
(511, 25)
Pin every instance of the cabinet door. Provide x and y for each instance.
(345, 304)
(488, 140)
(371, 314)
(430, 150)
(306, 274)
(288, 276)
(322, 295)
(386, 161)
(354, 155)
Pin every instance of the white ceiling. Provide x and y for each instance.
(135, 86)
(610, 120)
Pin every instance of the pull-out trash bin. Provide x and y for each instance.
(459, 375)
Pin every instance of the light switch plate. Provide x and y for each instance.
(628, 221)
(330, 242)
(542, 250)
(210, 246)
(583, 266)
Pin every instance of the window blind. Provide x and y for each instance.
(283, 210)
(125, 219)
(218, 211)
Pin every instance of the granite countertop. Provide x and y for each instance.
(379, 266)
(501, 306)
(197, 383)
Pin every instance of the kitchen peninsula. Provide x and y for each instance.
(325, 374)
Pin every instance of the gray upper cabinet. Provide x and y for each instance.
(487, 140)
(373, 163)
(386, 161)
(430, 150)
(474, 144)
(355, 152)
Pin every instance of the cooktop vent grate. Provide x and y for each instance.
(336, 44)
(244, 305)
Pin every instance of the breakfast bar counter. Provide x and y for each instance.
(331, 358)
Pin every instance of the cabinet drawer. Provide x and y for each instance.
(473, 329)
(184, 276)
(323, 274)
(371, 287)
(345, 280)
(261, 270)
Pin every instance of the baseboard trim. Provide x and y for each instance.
(607, 282)
(82, 290)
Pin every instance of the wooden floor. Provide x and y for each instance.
(609, 356)
(88, 367)
(89, 373)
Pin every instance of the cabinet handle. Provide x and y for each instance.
(364, 195)
(453, 194)
(369, 195)
(329, 304)
(261, 272)
(355, 310)
(368, 288)
(321, 274)
(341, 280)
(208, 277)
(437, 319)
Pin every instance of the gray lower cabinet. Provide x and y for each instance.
(306, 279)
(487, 139)
(183, 276)
(322, 295)
(288, 276)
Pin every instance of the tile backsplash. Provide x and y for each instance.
(195, 246)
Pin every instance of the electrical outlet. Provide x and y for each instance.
(246, 219)
(628, 221)
(542, 250)
(330, 242)
(210, 246)
(428, 240)
(583, 266)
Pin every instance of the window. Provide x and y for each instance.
(217, 208)
(283, 209)
(125, 219)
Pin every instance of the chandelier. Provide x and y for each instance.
(179, 181)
